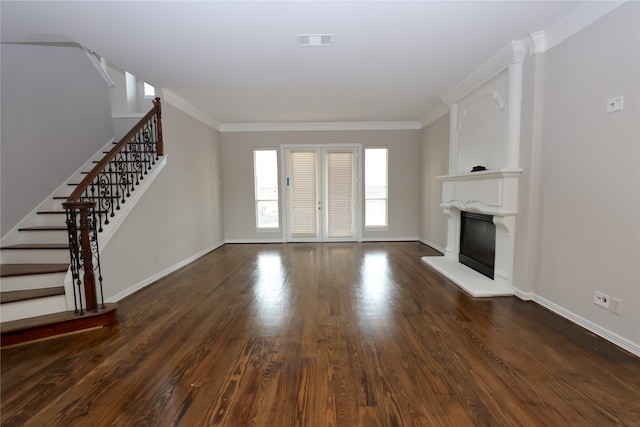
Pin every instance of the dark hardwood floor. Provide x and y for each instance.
(321, 335)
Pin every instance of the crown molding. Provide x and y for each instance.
(434, 115)
(582, 16)
(513, 52)
(184, 106)
(318, 126)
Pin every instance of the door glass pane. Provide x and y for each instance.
(339, 194)
(302, 182)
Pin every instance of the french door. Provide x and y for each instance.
(321, 193)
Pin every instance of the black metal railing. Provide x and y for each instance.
(100, 195)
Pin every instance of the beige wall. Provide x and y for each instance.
(590, 167)
(179, 216)
(55, 111)
(435, 162)
(404, 178)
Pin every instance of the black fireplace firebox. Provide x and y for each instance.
(478, 242)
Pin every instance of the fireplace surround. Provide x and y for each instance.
(489, 192)
(484, 130)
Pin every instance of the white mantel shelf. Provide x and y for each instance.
(486, 174)
(494, 192)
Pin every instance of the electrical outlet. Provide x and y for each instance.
(601, 299)
(616, 306)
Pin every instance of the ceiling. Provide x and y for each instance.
(240, 62)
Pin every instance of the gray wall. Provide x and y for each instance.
(590, 201)
(179, 216)
(435, 162)
(55, 111)
(404, 177)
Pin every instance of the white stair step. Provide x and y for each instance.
(33, 307)
(32, 281)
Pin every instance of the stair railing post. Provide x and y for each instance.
(159, 143)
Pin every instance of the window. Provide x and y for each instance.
(149, 91)
(375, 187)
(265, 166)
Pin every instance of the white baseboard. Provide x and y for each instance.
(254, 241)
(613, 338)
(389, 239)
(433, 245)
(140, 285)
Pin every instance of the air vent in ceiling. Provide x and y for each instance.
(315, 39)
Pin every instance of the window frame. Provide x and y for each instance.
(144, 90)
(256, 198)
(386, 198)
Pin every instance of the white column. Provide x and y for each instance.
(453, 139)
(514, 111)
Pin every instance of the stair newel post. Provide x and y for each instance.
(159, 143)
(85, 229)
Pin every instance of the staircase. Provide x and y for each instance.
(33, 274)
(44, 253)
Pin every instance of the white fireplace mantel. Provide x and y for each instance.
(484, 130)
(492, 192)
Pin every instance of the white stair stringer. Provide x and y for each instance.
(60, 303)
(33, 219)
(110, 229)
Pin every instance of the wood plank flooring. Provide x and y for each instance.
(332, 334)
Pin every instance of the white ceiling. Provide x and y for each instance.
(240, 62)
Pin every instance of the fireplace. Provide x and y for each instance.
(490, 194)
(478, 242)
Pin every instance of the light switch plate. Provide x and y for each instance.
(615, 103)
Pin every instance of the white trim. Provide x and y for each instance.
(128, 116)
(389, 239)
(434, 115)
(244, 241)
(432, 245)
(523, 295)
(538, 42)
(318, 126)
(513, 52)
(185, 107)
(580, 17)
(146, 282)
(616, 339)
(98, 66)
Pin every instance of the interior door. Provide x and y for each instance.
(321, 187)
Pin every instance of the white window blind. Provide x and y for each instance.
(375, 187)
(266, 188)
(303, 187)
(339, 194)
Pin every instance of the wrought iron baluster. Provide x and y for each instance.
(97, 198)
